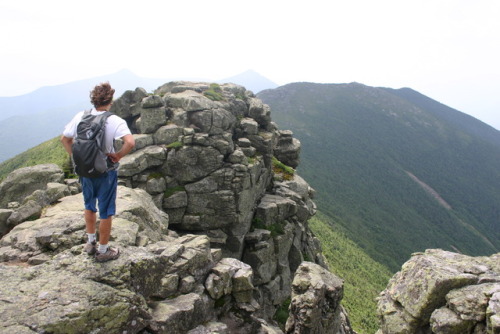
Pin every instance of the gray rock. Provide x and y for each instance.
(287, 149)
(262, 259)
(141, 141)
(29, 210)
(180, 86)
(259, 111)
(238, 157)
(263, 142)
(470, 302)
(214, 210)
(249, 126)
(60, 302)
(445, 321)
(4, 215)
(439, 291)
(168, 286)
(156, 185)
(244, 142)
(189, 100)
(315, 305)
(210, 328)
(230, 276)
(434, 282)
(493, 314)
(214, 121)
(191, 163)
(168, 134)
(62, 226)
(179, 117)
(56, 191)
(141, 160)
(24, 181)
(274, 209)
(129, 104)
(178, 315)
(152, 119)
(176, 200)
(152, 101)
(187, 284)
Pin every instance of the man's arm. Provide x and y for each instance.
(67, 143)
(128, 145)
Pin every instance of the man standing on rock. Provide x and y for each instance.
(101, 189)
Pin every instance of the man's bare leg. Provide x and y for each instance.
(105, 230)
(90, 228)
(90, 221)
(105, 253)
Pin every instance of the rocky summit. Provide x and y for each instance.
(212, 224)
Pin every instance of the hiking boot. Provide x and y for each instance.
(90, 248)
(111, 254)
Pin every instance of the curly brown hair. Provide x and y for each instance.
(102, 95)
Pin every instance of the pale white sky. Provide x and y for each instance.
(448, 50)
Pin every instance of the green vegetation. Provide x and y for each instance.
(170, 191)
(363, 277)
(155, 175)
(359, 142)
(175, 145)
(241, 96)
(281, 314)
(275, 229)
(282, 169)
(50, 151)
(214, 93)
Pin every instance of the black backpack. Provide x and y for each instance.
(89, 158)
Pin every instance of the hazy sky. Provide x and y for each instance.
(448, 50)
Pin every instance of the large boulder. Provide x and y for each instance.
(315, 305)
(128, 105)
(192, 163)
(141, 160)
(24, 181)
(38, 300)
(444, 292)
(288, 148)
(27, 191)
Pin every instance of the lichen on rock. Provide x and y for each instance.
(444, 292)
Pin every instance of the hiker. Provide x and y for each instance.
(101, 189)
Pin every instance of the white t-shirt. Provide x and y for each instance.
(116, 128)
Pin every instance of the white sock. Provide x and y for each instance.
(102, 248)
(90, 237)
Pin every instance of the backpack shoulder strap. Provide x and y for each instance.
(103, 117)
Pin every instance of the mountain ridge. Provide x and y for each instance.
(359, 142)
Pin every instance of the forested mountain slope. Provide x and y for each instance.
(399, 172)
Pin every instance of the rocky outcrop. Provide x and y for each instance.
(211, 225)
(315, 305)
(443, 292)
(26, 191)
(208, 165)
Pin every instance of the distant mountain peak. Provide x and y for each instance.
(251, 80)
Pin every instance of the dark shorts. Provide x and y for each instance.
(101, 190)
